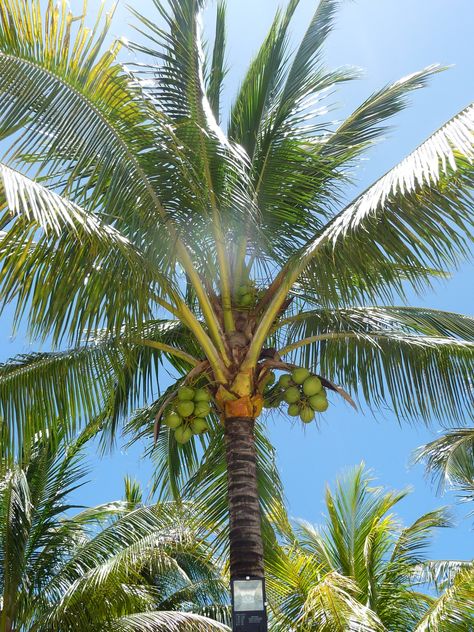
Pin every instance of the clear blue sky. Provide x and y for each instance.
(389, 39)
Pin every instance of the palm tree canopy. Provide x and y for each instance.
(130, 220)
(121, 565)
(363, 570)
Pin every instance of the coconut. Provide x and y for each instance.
(185, 408)
(172, 420)
(246, 300)
(319, 402)
(294, 410)
(307, 414)
(183, 434)
(201, 395)
(199, 425)
(312, 385)
(201, 409)
(292, 395)
(285, 380)
(243, 289)
(299, 375)
(185, 393)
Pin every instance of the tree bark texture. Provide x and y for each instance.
(246, 545)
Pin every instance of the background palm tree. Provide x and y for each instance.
(362, 570)
(123, 199)
(119, 566)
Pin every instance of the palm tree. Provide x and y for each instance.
(139, 232)
(362, 570)
(450, 461)
(119, 566)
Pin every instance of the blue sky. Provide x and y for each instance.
(389, 39)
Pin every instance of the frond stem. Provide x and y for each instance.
(171, 350)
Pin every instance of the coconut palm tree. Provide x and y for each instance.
(138, 231)
(119, 566)
(362, 570)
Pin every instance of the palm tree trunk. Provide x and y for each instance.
(246, 545)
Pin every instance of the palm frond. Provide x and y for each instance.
(453, 611)
(450, 460)
(91, 133)
(365, 125)
(415, 360)
(217, 70)
(166, 621)
(55, 256)
(416, 216)
(105, 377)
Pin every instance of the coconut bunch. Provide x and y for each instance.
(187, 413)
(304, 394)
(301, 390)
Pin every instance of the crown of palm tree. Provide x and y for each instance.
(362, 570)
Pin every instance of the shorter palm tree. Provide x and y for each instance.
(363, 571)
(122, 566)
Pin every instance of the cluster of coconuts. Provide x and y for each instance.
(304, 394)
(187, 415)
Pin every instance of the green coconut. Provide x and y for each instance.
(172, 420)
(185, 393)
(293, 410)
(307, 415)
(199, 425)
(201, 409)
(299, 375)
(243, 289)
(185, 408)
(202, 395)
(312, 385)
(292, 395)
(246, 300)
(285, 380)
(183, 434)
(319, 402)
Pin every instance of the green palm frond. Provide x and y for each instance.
(417, 216)
(365, 125)
(166, 621)
(305, 597)
(65, 571)
(104, 378)
(51, 242)
(450, 461)
(217, 69)
(91, 129)
(453, 611)
(396, 356)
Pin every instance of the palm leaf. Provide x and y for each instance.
(416, 216)
(217, 71)
(450, 460)
(414, 359)
(104, 378)
(454, 609)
